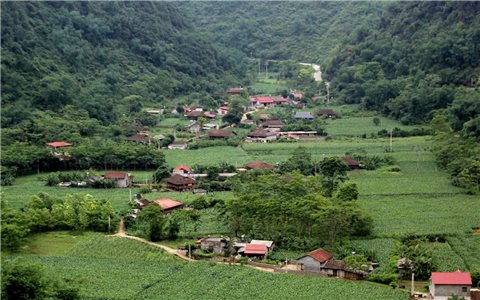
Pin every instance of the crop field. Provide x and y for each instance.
(381, 248)
(25, 187)
(356, 126)
(115, 268)
(445, 259)
(173, 121)
(268, 86)
(467, 247)
(207, 156)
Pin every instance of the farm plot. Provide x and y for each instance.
(467, 247)
(25, 187)
(113, 268)
(396, 215)
(207, 156)
(356, 126)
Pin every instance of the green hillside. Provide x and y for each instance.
(104, 57)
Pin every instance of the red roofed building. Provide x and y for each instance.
(182, 170)
(267, 101)
(444, 285)
(58, 151)
(168, 204)
(255, 250)
(122, 179)
(59, 144)
(314, 260)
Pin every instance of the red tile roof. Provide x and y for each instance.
(267, 99)
(183, 168)
(209, 114)
(260, 133)
(272, 123)
(178, 179)
(320, 255)
(115, 175)
(59, 144)
(460, 278)
(220, 133)
(258, 165)
(167, 203)
(255, 249)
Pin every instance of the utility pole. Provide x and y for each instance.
(391, 140)
(413, 286)
(327, 84)
(266, 69)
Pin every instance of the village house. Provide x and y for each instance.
(122, 179)
(314, 260)
(168, 205)
(444, 285)
(296, 96)
(195, 115)
(256, 251)
(219, 134)
(235, 91)
(263, 117)
(261, 135)
(258, 165)
(268, 244)
(177, 146)
(213, 244)
(141, 203)
(155, 111)
(193, 127)
(303, 115)
(58, 150)
(267, 101)
(327, 113)
(180, 183)
(350, 162)
(182, 170)
(272, 125)
(223, 110)
(140, 138)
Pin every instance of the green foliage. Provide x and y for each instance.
(289, 210)
(99, 57)
(151, 222)
(347, 192)
(300, 161)
(161, 173)
(21, 280)
(14, 227)
(403, 66)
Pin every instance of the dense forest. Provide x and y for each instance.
(303, 31)
(105, 58)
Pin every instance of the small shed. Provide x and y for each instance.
(444, 285)
(168, 205)
(258, 165)
(350, 162)
(303, 115)
(139, 138)
(213, 244)
(327, 113)
(177, 146)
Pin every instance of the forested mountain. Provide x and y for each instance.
(104, 57)
(303, 31)
(413, 61)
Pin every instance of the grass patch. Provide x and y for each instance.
(56, 242)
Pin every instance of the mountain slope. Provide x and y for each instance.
(96, 55)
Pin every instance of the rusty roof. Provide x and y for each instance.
(167, 203)
(320, 255)
(179, 180)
